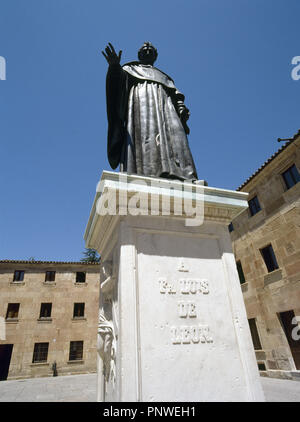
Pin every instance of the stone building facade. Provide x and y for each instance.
(266, 244)
(48, 318)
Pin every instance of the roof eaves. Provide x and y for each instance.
(12, 261)
(270, 159)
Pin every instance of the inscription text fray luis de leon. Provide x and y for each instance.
(187, 288)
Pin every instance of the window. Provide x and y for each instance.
(241, 272)
(50, 276)
(45, 310)
(230, 228)
(78, 310)
(19, 275)
(254, 334)
(261, 366)
(76, 350)
(40, 353)
(269, 258)
(12, 310)
(254, 205)
(80, 277)
(291, 176)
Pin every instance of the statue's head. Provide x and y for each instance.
(147, 53)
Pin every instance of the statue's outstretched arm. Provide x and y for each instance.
(111, 56)
(116, 97)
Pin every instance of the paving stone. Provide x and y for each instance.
(82, 388)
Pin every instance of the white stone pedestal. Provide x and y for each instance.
(172, 322)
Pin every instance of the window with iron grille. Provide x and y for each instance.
(241, 272)
(254, 205)
(19, 275)
(76, 350)
(269, 258)
(45, 311)
(40, 353)
(230, 227)
(254, 334)
(78, 310)
(261, 366)
(80, 277)
(12, 310)
(50, 276)
(291, 176)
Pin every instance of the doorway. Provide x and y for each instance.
(5, 356)
(286, 322)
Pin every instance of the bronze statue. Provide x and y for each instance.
(147, 129)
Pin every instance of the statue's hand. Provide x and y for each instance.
(111, 55)
(184, 113)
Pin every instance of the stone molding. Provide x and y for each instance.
(220, 205)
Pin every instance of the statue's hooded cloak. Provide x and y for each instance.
(145, 134)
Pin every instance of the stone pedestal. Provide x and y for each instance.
(172, 321)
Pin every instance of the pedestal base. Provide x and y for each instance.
(172, 325)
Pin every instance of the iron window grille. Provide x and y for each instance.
(254, 334)
(80, 277)
(76, 350)
(12, 310)
(40, 353)
(269, 258)
(261, 366)
(291, 176)
(241, 272)
(50, 276)
(45, 311)
(19, 275)
(78, 310)
(254, 206)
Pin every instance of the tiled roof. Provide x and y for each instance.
(12, 261)
(270, 159)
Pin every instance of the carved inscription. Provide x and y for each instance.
(187, 289)
(190, 334)
(187, 309)
(185, 286)
(166, 287)
(182, 267)
(191, 286)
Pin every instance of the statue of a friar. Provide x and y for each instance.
(147, 119)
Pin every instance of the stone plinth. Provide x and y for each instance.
(172, 321)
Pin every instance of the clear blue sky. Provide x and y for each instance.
(231, 59)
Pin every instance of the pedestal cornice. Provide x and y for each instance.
(168, 197)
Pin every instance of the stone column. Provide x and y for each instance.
(172, 321)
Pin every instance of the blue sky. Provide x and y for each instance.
(231, 59)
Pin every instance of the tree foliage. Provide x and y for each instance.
(90, 255)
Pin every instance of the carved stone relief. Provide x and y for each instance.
(107, 323)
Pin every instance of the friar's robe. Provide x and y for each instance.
(145, 134)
